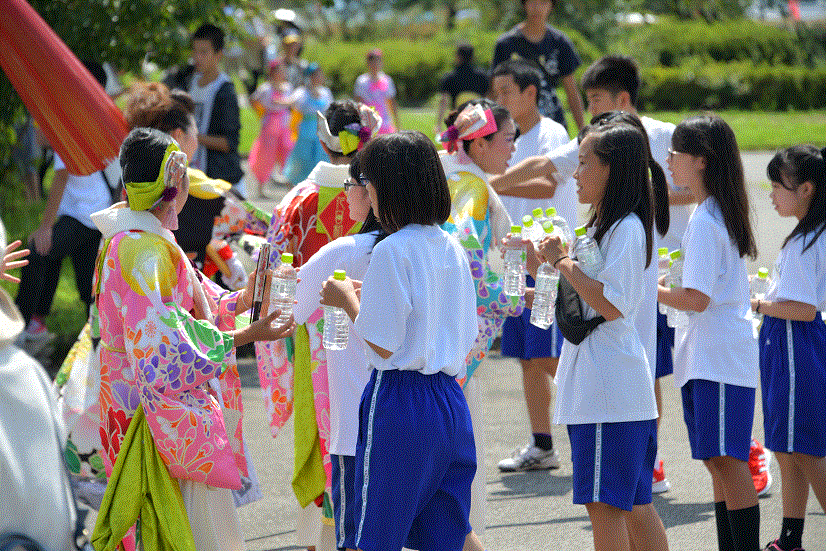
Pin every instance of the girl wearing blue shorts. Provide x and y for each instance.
(417, 314)
(715, 360)
(793, 339)
(606, 388)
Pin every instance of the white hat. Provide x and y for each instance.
(11, 322)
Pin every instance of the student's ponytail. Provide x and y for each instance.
(662, 213)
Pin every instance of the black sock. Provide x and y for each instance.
(544, 442)
(791, 535)
(745, 528)
(724, 541)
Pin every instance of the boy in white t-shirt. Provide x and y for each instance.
(515, 85)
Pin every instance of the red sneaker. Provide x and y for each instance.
(759, 460)
(660, 483)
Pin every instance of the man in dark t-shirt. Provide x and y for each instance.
(535, 40)
(465, 77)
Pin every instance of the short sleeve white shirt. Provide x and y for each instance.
(83, 195)
(543, 138)
(418, 302)
(565, 159)
(606, 378)
(801, 275)
(347, 370)
(718, 344)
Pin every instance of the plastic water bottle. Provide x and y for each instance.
(336, 322)
(544, 300)
(561, 226)
(588, 254)
(282, 289)
(663, 269)
(532, 230)
(538, 216)
(516, 256)
(759, 285)
(679, 318)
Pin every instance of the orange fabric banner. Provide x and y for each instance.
(79, 120)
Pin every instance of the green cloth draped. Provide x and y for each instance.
(309, 479)
(141, 487)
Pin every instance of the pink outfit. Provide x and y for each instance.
(274, 143)
(155, 353)
(376, 94)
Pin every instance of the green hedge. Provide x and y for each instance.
(732, 85)
(415, 66)
(672, 43)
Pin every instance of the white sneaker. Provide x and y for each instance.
(660, 483)
(530, 458)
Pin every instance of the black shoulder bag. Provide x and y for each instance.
(570, 314)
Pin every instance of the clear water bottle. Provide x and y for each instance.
(547, 282)
(532, 230)
(678, 318)
(588, 254)
(282, 289)
(336, 322)
(759, 285)
(516, 256)
(538, 216)
(663, 269)
(561, 226)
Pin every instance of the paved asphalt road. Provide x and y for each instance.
(534, 511)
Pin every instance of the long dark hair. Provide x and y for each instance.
(628, 190)
(409, 180)
(708, 136)
(803, 163)
(662, 213)
(371, 223)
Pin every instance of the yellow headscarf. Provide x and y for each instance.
(145, 195)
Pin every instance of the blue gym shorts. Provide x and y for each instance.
(793, 383)
(417, 459)
(522, 339)
(345, 499)
(613, 462)
(718, 418)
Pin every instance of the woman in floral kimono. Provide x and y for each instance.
(168, 342)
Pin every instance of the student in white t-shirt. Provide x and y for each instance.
(606, 389)
(516, 85)
(611, 84)
(417, 315)
(715, 361)
(347, 370)
(793, 339)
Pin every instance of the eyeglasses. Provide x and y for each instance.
(671, 154)
(360, 182)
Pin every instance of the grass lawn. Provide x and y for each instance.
(754, 130)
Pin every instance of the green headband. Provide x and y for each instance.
(145, 195)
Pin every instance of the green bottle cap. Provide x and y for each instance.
(516, 229)
(340, 275)
(662, 251)
(287, 258)
(548, 226)
(580, 231)
(676, 254)
(763, 272)
(527, 221)
(537, 212)
(550, 211)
